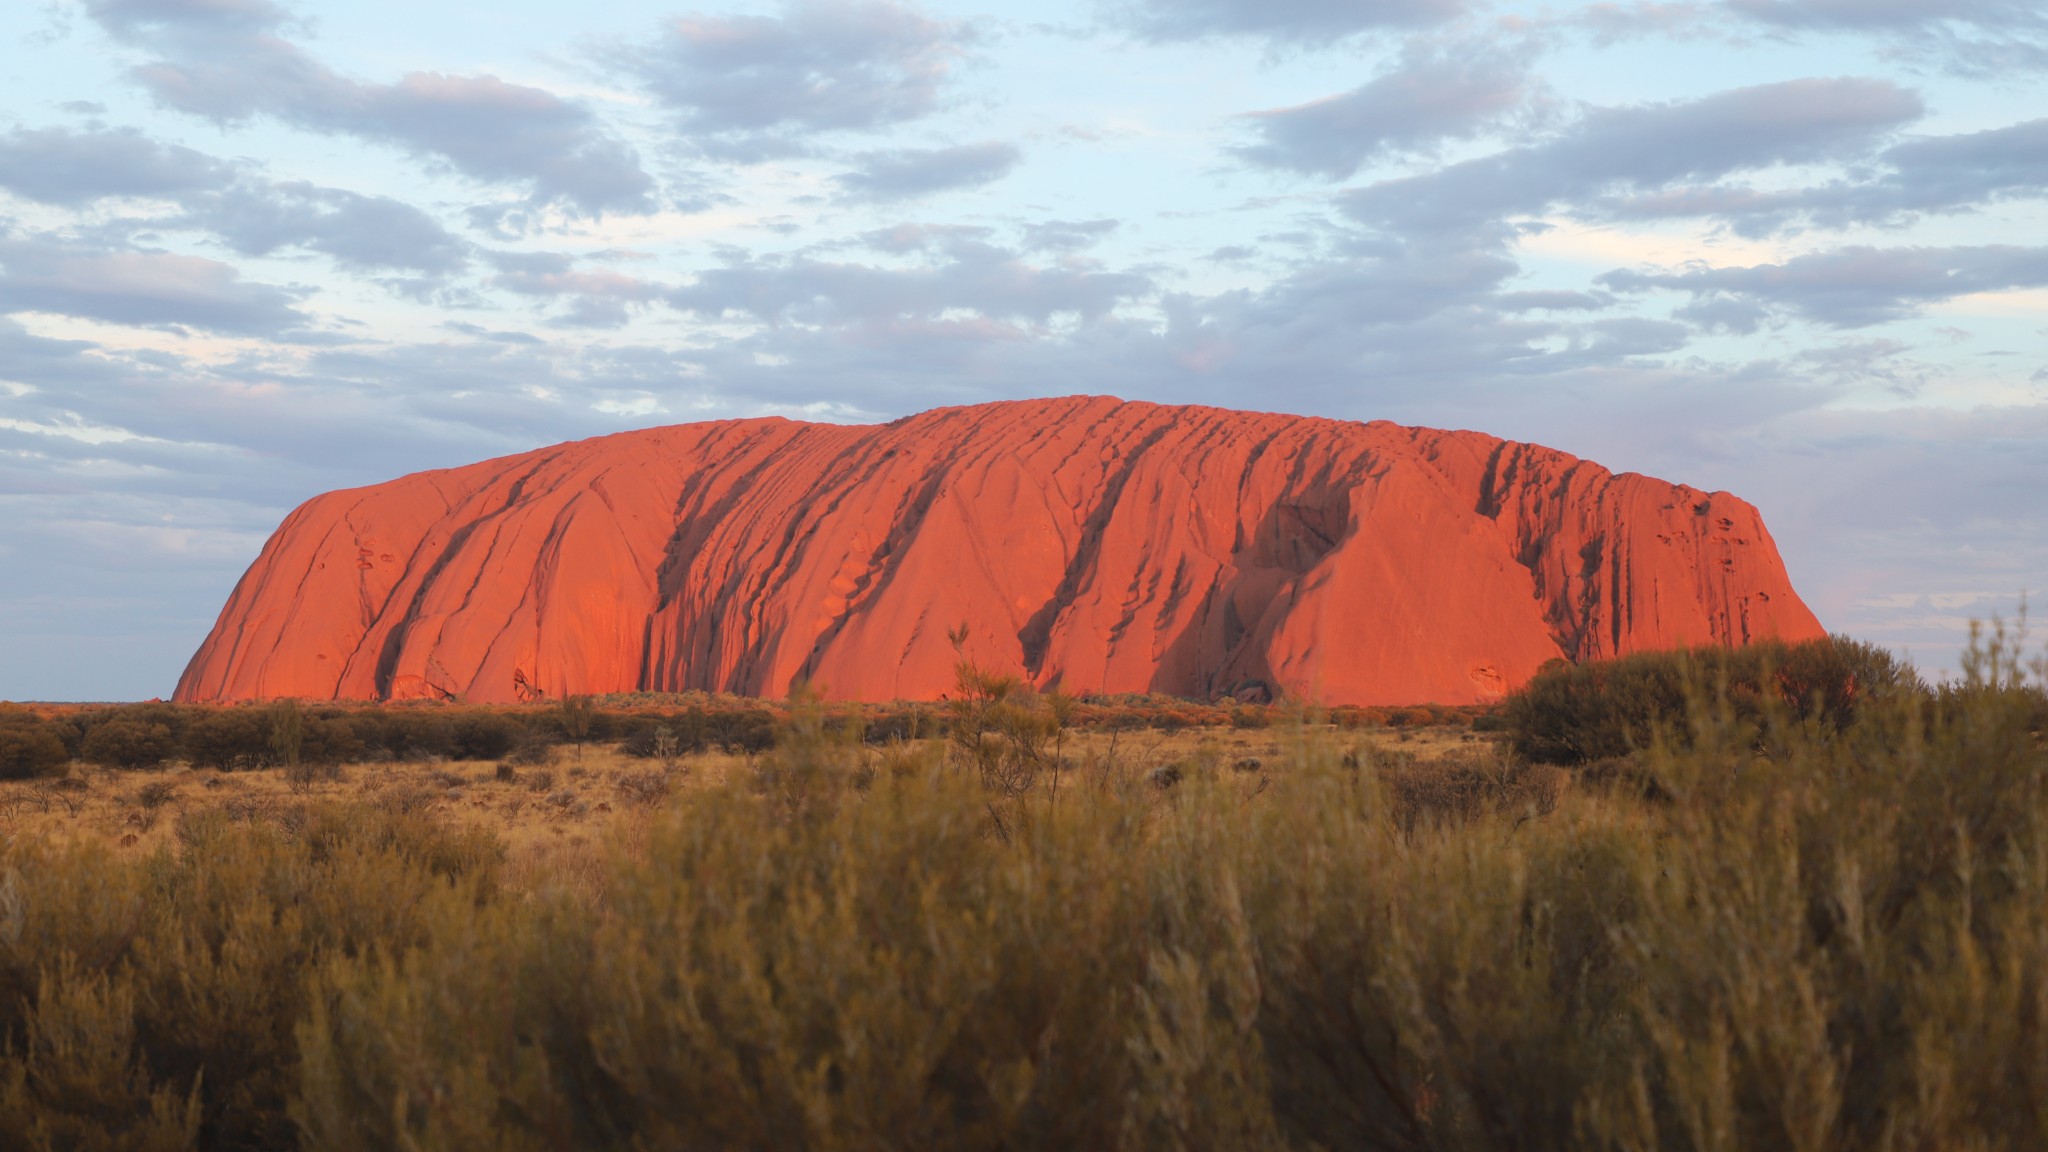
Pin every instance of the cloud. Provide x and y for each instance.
(132, 286)
(1554, 300)
(1978, 38)
(1391, 329)
(1891, 14)
(270, 430)
(59, 166)
(899, 239)
(254, 217)
(752, 86)
(995, 285)
(598, 298)
(1643, 147)
(1851, 287)
(906, 173)
(1608, 24)
(1435, 93)
(52, 363)
(1384, 330)
(1972, 167)
(223, 59)
(1402, 299)
(362, 233)
(131, 17)
(1298, 21)
(1929, 174)
(1066, 235)
(126, 523)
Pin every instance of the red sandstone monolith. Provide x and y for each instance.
(1086, 543)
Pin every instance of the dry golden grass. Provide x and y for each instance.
(552, 818)
(1765, 931)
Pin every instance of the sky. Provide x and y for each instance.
(254, 250)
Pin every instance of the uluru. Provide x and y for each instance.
(1085, 543)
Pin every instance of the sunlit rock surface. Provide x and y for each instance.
(1087, 543)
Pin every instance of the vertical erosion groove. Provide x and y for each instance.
(1036, 635)
(1203, 520)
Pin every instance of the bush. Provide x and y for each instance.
(129, 742)
(576, 720)
(1460, 789)
(647, 789)
(156, 1003)
(532, 752)
(408, 734)
(738, 730)
(29, 746)
(1793, 950)
(1578, 713)
(905, 723)
(71, 731)
(636, 734)
(696, 729)
(486, 736)
(1822, 938)
(229, 739)
(328, 739)
(1255, 716)
(1007, 1026)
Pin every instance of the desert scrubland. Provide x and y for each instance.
(1776, 897)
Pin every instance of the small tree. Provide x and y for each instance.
(1006, 732)
(287, 732)
(577, 715)
(1060, 708)
(666, 747)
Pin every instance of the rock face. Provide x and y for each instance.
(1090, 544)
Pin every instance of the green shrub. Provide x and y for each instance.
(739, 730)
(1459, 789)
(129, 742)
(403, 734)
(696, 729)
(845, 972)
(328, 739)
(575, 720)
(154, 1002)
(486, 736)
(29, 746)
(1579, 713)
(907, 722)
(171, 718)
(229, 739)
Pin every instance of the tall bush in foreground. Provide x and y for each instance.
(152, 1003)
(1834, 943)
(1820, 937)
